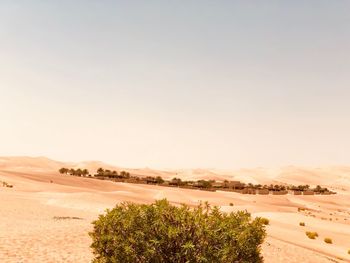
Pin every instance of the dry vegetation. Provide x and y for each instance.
(311, 235)
(328, 240)
(5, 184)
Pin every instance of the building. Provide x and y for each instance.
(234, 185)
(308, 192)
(263, 191)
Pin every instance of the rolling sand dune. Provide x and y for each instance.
(46, 216)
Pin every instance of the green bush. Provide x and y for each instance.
(301, 224)
(311, 235)
(161, 232)
(328, 240)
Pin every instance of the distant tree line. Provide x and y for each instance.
(100, 173)
(112, 174)
(75, 172)
(276, 187)
(210, 185)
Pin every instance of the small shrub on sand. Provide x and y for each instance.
(161, 232)
(328, 240)
(231, 204)
(349, 251)
(301, 224)
(311, 235)
(5, 184)
(264, 221)
(66, 217)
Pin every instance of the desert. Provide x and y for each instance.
(174, 131)
(46, 216)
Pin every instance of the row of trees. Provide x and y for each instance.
(204, 184)
(112, 174)
(100, 173)
(299, 187)
(75, 172)
(276, 187)
(154, 180)
(201, 184)
(319, 189)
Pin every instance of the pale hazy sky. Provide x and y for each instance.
(181, 84)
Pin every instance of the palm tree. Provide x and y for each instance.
(85, 172)
(100, 172)
(159, 180)
(78, 172)
(114, 173)
(63, 170)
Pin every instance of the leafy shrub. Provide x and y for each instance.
(161, 232)
(311, 235)
(301, 224)
(328, 240)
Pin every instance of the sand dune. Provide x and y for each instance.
(46, 216)
(337, 177)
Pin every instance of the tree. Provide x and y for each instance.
(204, 184)
(176, 181)
(100, 172)
(85, 172)
(159, 180)
(78, 172)
(161, 232)
(124, 175)
(114, 174)
(63, 170)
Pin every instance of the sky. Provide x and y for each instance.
(176, 84)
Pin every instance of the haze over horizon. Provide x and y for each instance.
(190, 84)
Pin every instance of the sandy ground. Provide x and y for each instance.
(46, 217)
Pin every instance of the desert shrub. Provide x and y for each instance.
(301, 224)
(231, 204)
(311, 235)
(5, 184)
(328, 240)
(349, 251)
(161, 232)
(264, 221)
